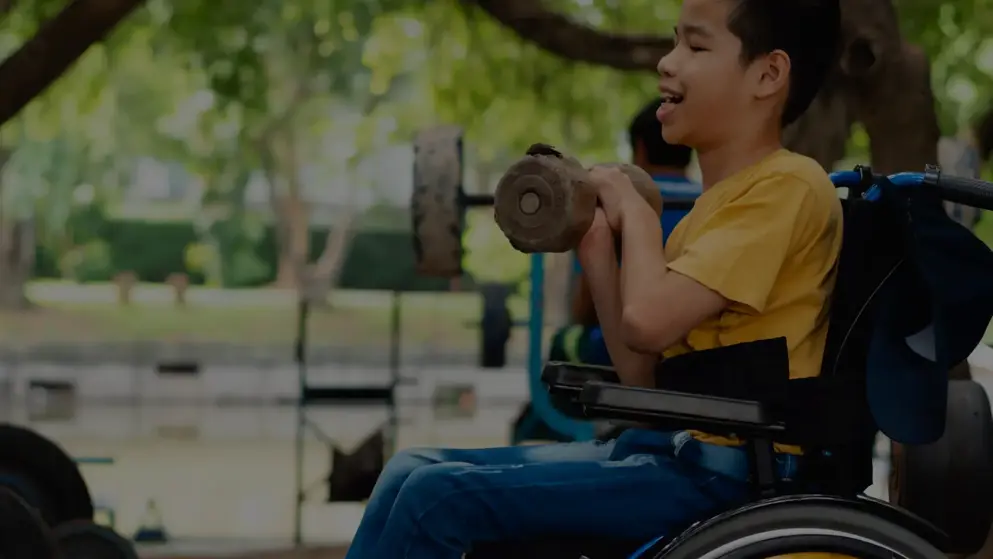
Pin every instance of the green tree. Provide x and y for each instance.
(72, 141)
(293, 72)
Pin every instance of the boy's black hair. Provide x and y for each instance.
(646, 129)
(806, 30)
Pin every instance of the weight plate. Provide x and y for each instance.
(23, 533)
(85, 540)
(950, 482)
(437, 207)
(44, 475)
(495, 325)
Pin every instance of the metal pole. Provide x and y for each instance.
(541, 404)
(536, 325)
(396, 332)
(300, 356)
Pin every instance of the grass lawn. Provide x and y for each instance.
(77, 314)
(90, 313)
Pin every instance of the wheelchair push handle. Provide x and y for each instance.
(961, 190)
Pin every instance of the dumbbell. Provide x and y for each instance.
(546, 201)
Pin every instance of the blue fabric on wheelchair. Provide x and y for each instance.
(932, 313)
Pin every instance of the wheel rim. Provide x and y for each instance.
(27, 490)
(785, 541)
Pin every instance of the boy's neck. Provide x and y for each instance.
(723, 161)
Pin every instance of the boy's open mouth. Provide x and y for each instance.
(672, 98)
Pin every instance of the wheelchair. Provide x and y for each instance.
(897, 242)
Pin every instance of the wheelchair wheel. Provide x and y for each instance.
(23, 532)
(776, 531)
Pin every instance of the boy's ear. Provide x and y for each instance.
(774, 74)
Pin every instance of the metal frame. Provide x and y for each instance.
(310, 395)
(541, 403)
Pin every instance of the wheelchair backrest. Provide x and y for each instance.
(833, 409)
(914, 297)
(871, 252)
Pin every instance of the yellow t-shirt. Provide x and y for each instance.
(767, 239)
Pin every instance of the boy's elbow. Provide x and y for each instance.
(642, 330)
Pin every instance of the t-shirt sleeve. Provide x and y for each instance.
(743, 245)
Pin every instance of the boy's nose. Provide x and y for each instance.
(665, 66)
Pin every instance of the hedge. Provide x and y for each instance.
(153, 249)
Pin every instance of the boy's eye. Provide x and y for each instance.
(695, 48)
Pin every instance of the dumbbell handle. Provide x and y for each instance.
(477, 200)
(546, 201)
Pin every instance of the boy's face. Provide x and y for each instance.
(705, 87)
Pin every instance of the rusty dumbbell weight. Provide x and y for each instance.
(438, 203)
(546, 201)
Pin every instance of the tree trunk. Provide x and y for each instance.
(17, 248)
(17, 253)
(292, 215)
(323, 275)
(291, 219)
(57, 44)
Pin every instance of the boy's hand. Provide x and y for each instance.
(598, 240)
(614, 191)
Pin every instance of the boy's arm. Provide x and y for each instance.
(599, 260)
(736, 255)
(661, 306)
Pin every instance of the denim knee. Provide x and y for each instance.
(430, 490)
(399, 468)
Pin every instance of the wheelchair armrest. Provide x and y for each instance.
(568, 379)
(665, 407)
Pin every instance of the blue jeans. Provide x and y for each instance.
(434, 504)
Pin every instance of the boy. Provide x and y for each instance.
(582, 340)
(754, 259)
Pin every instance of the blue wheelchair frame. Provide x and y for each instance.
(541, 402)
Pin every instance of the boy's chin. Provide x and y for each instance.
(674, 136)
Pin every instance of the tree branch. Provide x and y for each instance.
(59, 43)
(532, 21)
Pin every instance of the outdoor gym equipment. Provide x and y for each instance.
(438, 206)
(495, 325)
(545, 202)
(352, 474)
(439, 203)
